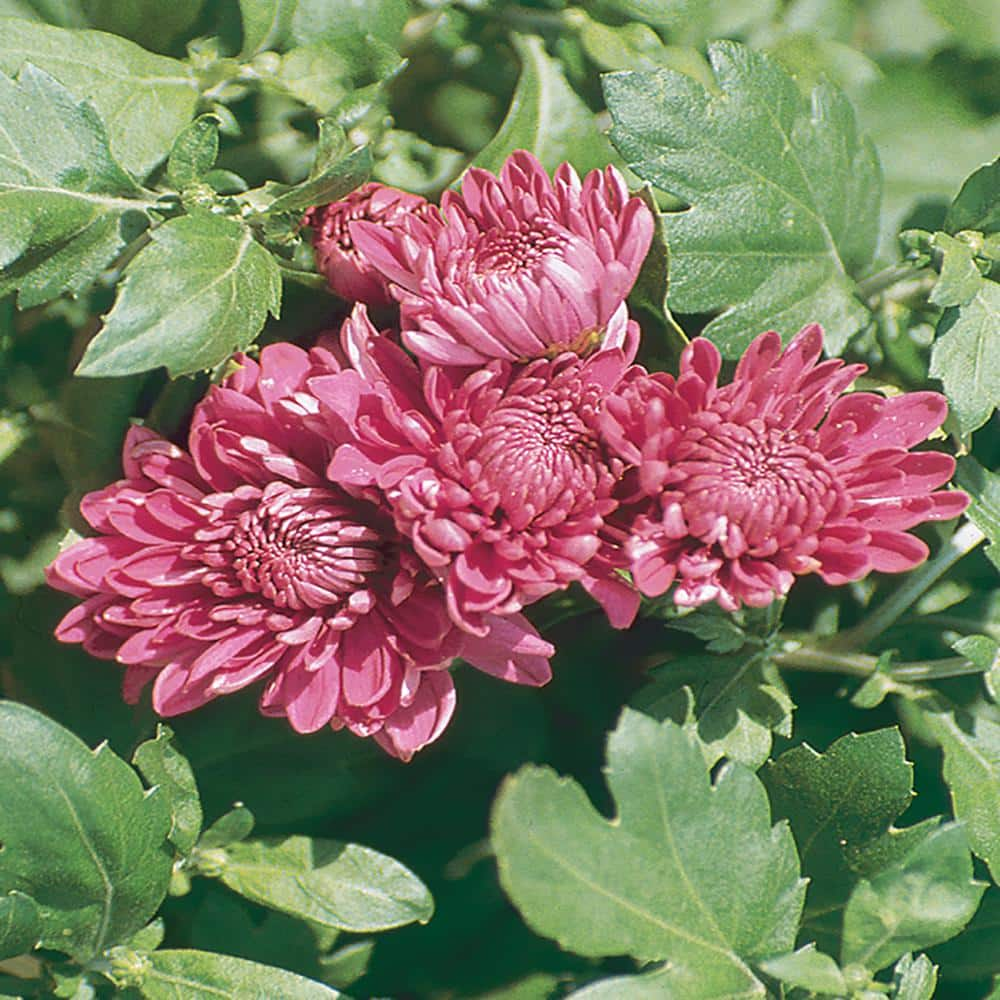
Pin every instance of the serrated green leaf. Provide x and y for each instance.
(20, 924)
(648, 884)
(162, 765)
(143, 99)
(66, 207)
(545, 117)
(808, 969)
(922, 900)
(80, 835)
(960, 280)
(984, 488)
(739, 701)
(237, 824)
(200, 291)
(914, 978)
(151, 23)
(346, 886)
(962, 357)
(784, 194)
(265, 24)
(971, 746)
(841, 805)
(194, 152)
(977, 205)
(205, 975)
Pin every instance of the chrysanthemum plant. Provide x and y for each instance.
(401, 396)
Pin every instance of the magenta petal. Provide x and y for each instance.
(511, 650)
(418, 724)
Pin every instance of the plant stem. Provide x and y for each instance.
(960, 544)
(826, 661)
(870, 288)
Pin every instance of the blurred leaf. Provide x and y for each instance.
(265, 24)
(920, 901)
(642, 885)
(162, 765)
(235, 825)
(66, 207)
(961, 357)
(336, 20)
(694, 21)
(151, 23)
(785, 193)
(347, 964)
(194, 152)
(149, 937)
(328, 882)
(739, 700)
(914, 978)
(200, 291)
(808, 969)
(977, 205)
(205, 975)
(80, 835)
(20, 924)
(976, 23)
(973, 954)
(546, 117)
(406, 161)
(812, 58)
(143, 99)
(984, 513)
(971, 745)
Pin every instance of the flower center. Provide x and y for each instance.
(760, 480)
(303, 548)
(539, 453)
(505, 251)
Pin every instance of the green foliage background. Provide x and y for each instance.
(807, 799)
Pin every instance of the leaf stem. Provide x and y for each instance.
(913, 585)
(818, 659)
(871, 288)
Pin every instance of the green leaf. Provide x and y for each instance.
(920, 901)
(66, 207)
(914, 978)
(200, 291)
(808, 969)
(337, 20)
(841, 805)
(205, 975)
(346, 886)
(162, 765)
(265, 24)
(984, 653)
(649, 883)
(984, 488)
(347, 964)
(960, 280)
(20, 924)
(194, 152)
(962, 357)
(784, 194)
(151, 23)
(333, 175)
(971, 746)
(80, 835)
(143, 99)
(739, 701)
(977, 205)
(237, 824)
(407, 161)
(976, 23)
(546, 117)
(973, 954)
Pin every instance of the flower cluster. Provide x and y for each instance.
(346, 521)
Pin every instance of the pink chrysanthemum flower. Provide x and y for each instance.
(738, 489)
(498, 477)
(240, 561)
(347, 270)
(517, 267)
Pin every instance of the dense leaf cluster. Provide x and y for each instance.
(799, 801)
